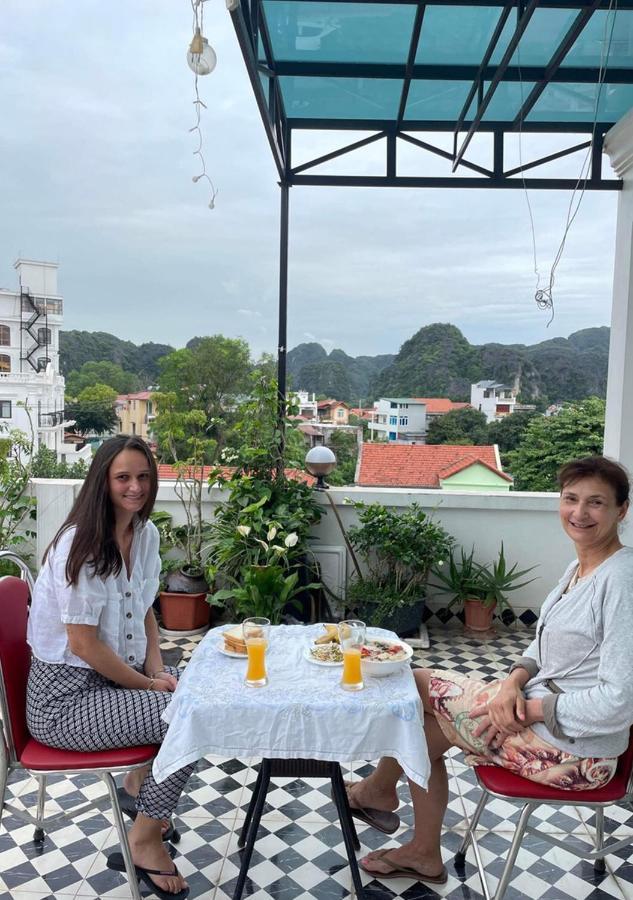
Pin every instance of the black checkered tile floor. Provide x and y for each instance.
(299, 851)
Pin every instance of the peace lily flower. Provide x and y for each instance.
(244, 530)
(271, 533)
(291, 539)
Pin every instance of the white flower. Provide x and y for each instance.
(271, 534)
(291, 539)
(244, 530)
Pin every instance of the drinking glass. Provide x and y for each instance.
(351, 635)
(255, 631)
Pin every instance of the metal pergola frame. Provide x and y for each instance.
(251, 29)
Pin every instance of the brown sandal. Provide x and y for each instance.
(398, 871)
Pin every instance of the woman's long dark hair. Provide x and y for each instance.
(93, 513)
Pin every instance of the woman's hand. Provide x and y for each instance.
(504, 715)
(165, 678)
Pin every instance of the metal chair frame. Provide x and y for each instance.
(585, 851)
(9, 762)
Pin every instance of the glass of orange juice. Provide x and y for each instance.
(255, 631)
(351, 635)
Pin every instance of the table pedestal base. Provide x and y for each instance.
(297, 768)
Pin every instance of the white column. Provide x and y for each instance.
(618, 435)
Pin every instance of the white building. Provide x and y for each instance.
(399, 419)
(30, 384)
(495, 400)
(307, 404)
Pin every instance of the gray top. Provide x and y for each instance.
(584, 645)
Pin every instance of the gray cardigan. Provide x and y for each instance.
(584, 645)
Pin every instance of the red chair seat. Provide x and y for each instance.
(500, 781)
(40, 758)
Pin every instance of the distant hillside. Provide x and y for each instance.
(78, 347)
(311, 368)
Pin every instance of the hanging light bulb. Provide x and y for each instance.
(201, 57)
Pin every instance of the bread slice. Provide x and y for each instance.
(234, 640)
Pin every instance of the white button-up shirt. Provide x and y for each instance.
(117, 605)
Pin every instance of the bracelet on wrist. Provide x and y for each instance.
(150, 686)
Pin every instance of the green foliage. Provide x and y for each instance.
(345, 447)
(79, 347)
(398, 550)
(337, 375)
(93, 410)
(262, 591)
(509, 431)
(550, 442)
(460, 426)
(17, 508)
(103, 372)
(467, 579)
(44, 465)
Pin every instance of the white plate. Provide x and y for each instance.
(221, 649)
(320, 662)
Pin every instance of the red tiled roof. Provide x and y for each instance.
(322, 404)
(439, 405)
(419, 465)
(168, 473)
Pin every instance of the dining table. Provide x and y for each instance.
(302, 715)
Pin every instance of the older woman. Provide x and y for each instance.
(563, 713)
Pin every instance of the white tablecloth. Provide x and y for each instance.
(301, 714)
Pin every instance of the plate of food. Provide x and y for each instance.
(382, 657)
(326, 654)
(232, 643)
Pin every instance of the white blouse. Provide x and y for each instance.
(117, 605)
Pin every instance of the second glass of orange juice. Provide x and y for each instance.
(255, 632)
(351, 634)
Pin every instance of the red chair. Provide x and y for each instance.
(497, 782)
(18, 750)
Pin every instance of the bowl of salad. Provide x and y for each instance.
(381, 657)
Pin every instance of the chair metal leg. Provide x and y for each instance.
(599, 865)
(249, 812)
(4, 776)
(130, 868)
(340, 798)
(262, 790)
(515, 846)
(38, 834)
(460, 856)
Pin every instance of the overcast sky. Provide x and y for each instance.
(96, 173)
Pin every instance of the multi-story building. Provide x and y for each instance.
(135, 413)
(31, 388)
(334, 411)
(495, 400)
(399, 419)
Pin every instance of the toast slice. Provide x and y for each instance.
(234, 640)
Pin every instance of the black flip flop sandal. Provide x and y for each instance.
(380, 819)
(116, 863)
(128, 806)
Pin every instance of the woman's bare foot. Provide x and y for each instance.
(387, 862)
(367, 795)
(151, 853)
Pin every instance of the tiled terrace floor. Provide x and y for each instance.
(299, 852)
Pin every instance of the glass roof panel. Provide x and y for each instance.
(437, 101)
(604, 32)
(339, 31)
(544, 33)
(341, 98)
(451, 33)
(562, 102)
(507, 100)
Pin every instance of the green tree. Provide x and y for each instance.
(44, 465)
(93, 410)
(345, 447)
(17, 508)
(550, 442)
(460, 426)
(103, 372)
(509, 431)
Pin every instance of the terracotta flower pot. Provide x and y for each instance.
(184, 612)
(477, 616)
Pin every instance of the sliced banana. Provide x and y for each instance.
(330, 636)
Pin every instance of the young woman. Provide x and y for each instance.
(563, 714)
(97, 679)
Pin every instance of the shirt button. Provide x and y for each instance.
(129, 637)
(128, 594)
(572, 740)
(131, 658)
(128, 615)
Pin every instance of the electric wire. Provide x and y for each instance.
(197, 8)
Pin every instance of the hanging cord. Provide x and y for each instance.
(197, 8)
(544, 296)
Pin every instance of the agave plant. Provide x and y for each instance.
(468, 579)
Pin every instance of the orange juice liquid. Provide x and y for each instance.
(256, 650)
(351, 667)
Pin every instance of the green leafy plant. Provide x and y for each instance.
(262, 591)
(467, 579)
(17, 507)
(398, 550)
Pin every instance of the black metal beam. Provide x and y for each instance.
(449, 72)
(277, 109)
(349, 148)
(301, 124)
(548, 184)
(555, 62)
(523, 22)
(413, 50)
(443, 153)
(545, 159)
(282, 342)
(551, 4)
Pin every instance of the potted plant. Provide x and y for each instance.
(262, 590)
(479, 589)
(398, 549)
